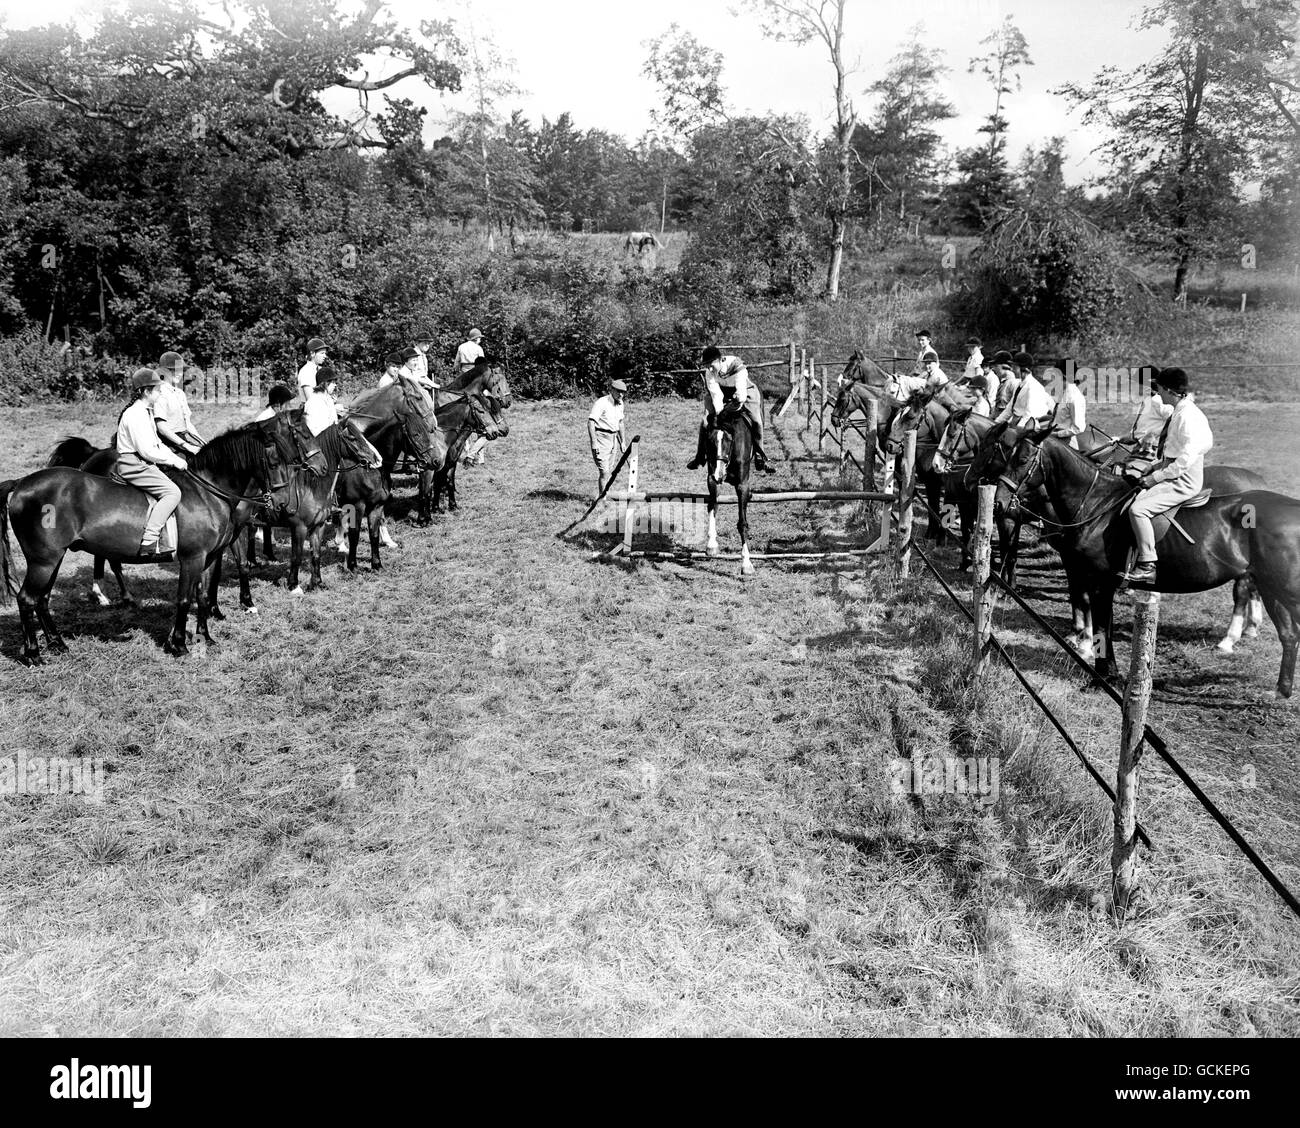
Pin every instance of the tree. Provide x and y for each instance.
(803, 21)
(899, 146)
(1008, 52)
(1188, 126)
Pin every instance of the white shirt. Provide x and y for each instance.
(606, 414)
(974, 363)
(1151, 418)
(981, 405)
(1187, 442)
(1031, 401)
(1072, 411)
(137, 434)
(320, 411)
(992, 378)
(307, 375)
(386, 379)
(728, 372)
(173, 408)
(467, 354)
(421, 366)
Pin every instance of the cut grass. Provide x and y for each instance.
(506, 789)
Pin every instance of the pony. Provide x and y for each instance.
(640, 242)
(1252, 534)
(730, 446)
(226, 483)
(469, 404)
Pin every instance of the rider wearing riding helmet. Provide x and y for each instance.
(1031, 401)
(140, 453)
(277, 402)
(172, 411)
(1179, 473)
(728, 389)
(1071, 416)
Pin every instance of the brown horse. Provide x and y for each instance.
(730, 444)
(471, 404)
(1253, 534)
(227, 482)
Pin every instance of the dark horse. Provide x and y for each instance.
(731, 457)
(471, 404)
(227, 482)
(310, 506)
(996, 441)
(856, 393)
(1253, 534)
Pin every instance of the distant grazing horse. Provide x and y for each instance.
(731, 457)
(640, 242)
(226, 483)
(1253, 534)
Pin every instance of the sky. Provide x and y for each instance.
(585, 57)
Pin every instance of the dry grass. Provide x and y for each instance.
(506, 789)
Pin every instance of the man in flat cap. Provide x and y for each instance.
(605, 432)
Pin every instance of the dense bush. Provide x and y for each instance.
(1044, 271)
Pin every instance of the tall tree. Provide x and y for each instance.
(1189, 125)
(822, 21)
(899, 145)
(1007, 53)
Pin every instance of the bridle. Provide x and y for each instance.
(1034, 463)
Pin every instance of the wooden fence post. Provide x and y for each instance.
(982, 594)
(793, 366)
(906, 493)
(869, 447)
(1137, 696)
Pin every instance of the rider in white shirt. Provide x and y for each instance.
(1150, 422)
(1071, 417)
(316, 350)
(1030, 401)
(471, 349)
(727, 384)
(974, 359)
(140, 452)
(1186, 440)
(321, 411)
(172, 411)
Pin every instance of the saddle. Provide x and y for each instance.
(1162, 522)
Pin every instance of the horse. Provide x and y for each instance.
(226, 482)
(730, 446)
(471, 403)
(640, 242)
(309, 507)
(1251, 534)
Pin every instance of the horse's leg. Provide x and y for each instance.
(212, 584)
(1284, 609)
(934, 495)
(351, 524)
(240, 548)
(295, 557)
(36, 586)
(96, 590)
(1103, 638)
(451, 488)
(742, 526)
(966, 514)
(53, 640)
(1242, 600)
(430, 491)
(711, 545)
(376, 519)
(186, 590)
(314, 539)
(250, 553)
(124, 593)
(202, 605)
(268, 542)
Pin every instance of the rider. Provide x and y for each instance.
(469, 352)
(1071, 416)
(320, 410)
(392, 369)
(139, 454)
(1030, 401)
(1002, 380)
(316, 349)
(277, 401)
(974, 360)
(726, 381)
(423, 343)
(978, 386)
(924, 345)
(172, 411)
(1179, 473)
(1149, 422)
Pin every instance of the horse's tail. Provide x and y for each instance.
(73, 451)
(6, 488)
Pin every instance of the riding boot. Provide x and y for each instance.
(701, 449)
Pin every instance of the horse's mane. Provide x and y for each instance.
(369, 399)
(72, 451)
(241, 450)
(331, 445)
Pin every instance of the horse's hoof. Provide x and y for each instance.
(376, 566)
(1225, 646)
(56, 646)
(216, 613)
(32, 659)
(1251, 632)
(747, 572)
(250, 611)
(177, 649)
(95, 598)
(298, 591)
(350, 566)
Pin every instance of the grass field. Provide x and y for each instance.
(504, 788)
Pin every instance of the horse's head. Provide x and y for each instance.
(1022, 474)
(908, 417)
(992, 454)
(293, 447)
(497, 386)
(414, 424)
(951, 441)
(852, 395)
(721, 445)
(485, 416)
